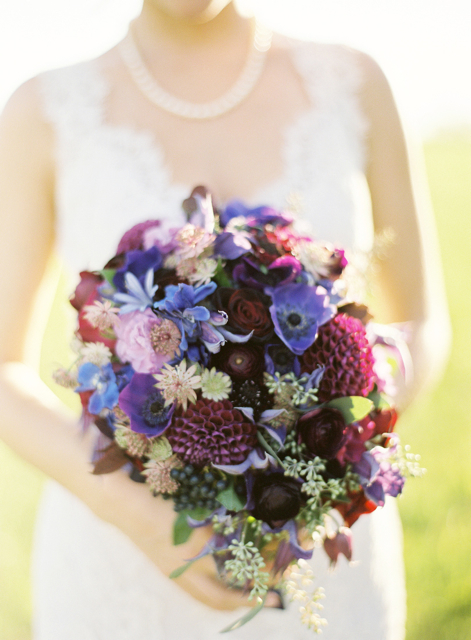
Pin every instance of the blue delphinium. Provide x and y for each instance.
(103, 381)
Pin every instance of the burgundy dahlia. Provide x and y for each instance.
(212, 432)
(343, 349)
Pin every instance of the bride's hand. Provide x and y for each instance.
(148, 521)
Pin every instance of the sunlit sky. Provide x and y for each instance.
(424, 46)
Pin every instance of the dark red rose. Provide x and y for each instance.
(277, 499)
(89, 281)
(240, 360)
(358, 505)
(247, 312)
(322, 431)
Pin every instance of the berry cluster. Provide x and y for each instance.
(198, 488)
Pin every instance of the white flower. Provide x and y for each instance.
(178, 384)
(193, 241)
(65, 378)
(96, 353)
(101, 315)
(215, 385)
(158, 476)
(197, 271)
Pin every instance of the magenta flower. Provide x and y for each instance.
(146, 341)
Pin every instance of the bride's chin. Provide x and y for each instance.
(198, 11)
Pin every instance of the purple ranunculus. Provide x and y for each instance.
(297, 312)
(145, 406)
(276, 499)
(102, 381)
(251, 273)
(323, 431)
(138, 263)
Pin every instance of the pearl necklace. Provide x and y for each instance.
(232, 98)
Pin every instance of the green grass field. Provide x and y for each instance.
(436, 510)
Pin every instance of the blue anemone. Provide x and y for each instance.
(297, 312)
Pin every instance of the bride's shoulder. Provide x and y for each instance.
(61, 92)
(332, 61)
(336, 71)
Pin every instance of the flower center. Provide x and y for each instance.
(294, 319)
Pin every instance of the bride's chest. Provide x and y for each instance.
(112, 175)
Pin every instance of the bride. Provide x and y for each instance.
(195, 94)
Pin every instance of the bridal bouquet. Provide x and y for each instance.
(225, 366)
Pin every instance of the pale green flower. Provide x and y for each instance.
(215, 385)
(160, 449)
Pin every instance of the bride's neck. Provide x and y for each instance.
(160, 32)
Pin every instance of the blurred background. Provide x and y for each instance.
(425, 50)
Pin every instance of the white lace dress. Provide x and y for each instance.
(90, 581)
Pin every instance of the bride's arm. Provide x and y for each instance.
(409, 284)
(33, 422)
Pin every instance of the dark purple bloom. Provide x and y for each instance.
(322, 431)
(250, 273)
(257, 215)
(138, 263)
(144, 405)
(102, 381)
(297, 312)
(280, 359)
(276, 499)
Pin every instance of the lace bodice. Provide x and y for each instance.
(110, 177)
(90, 580)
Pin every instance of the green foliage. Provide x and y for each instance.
(181, 529)
(352, 408)
(230, 499)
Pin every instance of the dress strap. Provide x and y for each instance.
(74, 97)
(333, 80)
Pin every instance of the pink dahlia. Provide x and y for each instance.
(146, 341)
(341, 347)
(212, 432)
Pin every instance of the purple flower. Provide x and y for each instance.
(251, 273)
(277, 499)
(256, 216)
(138, 263)
(232, 245)
(103, 382)
(322, 430)
(378, 477)
(133, 238)
(297, 312)
(145, 406)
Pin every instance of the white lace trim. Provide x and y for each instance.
(114, 173)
